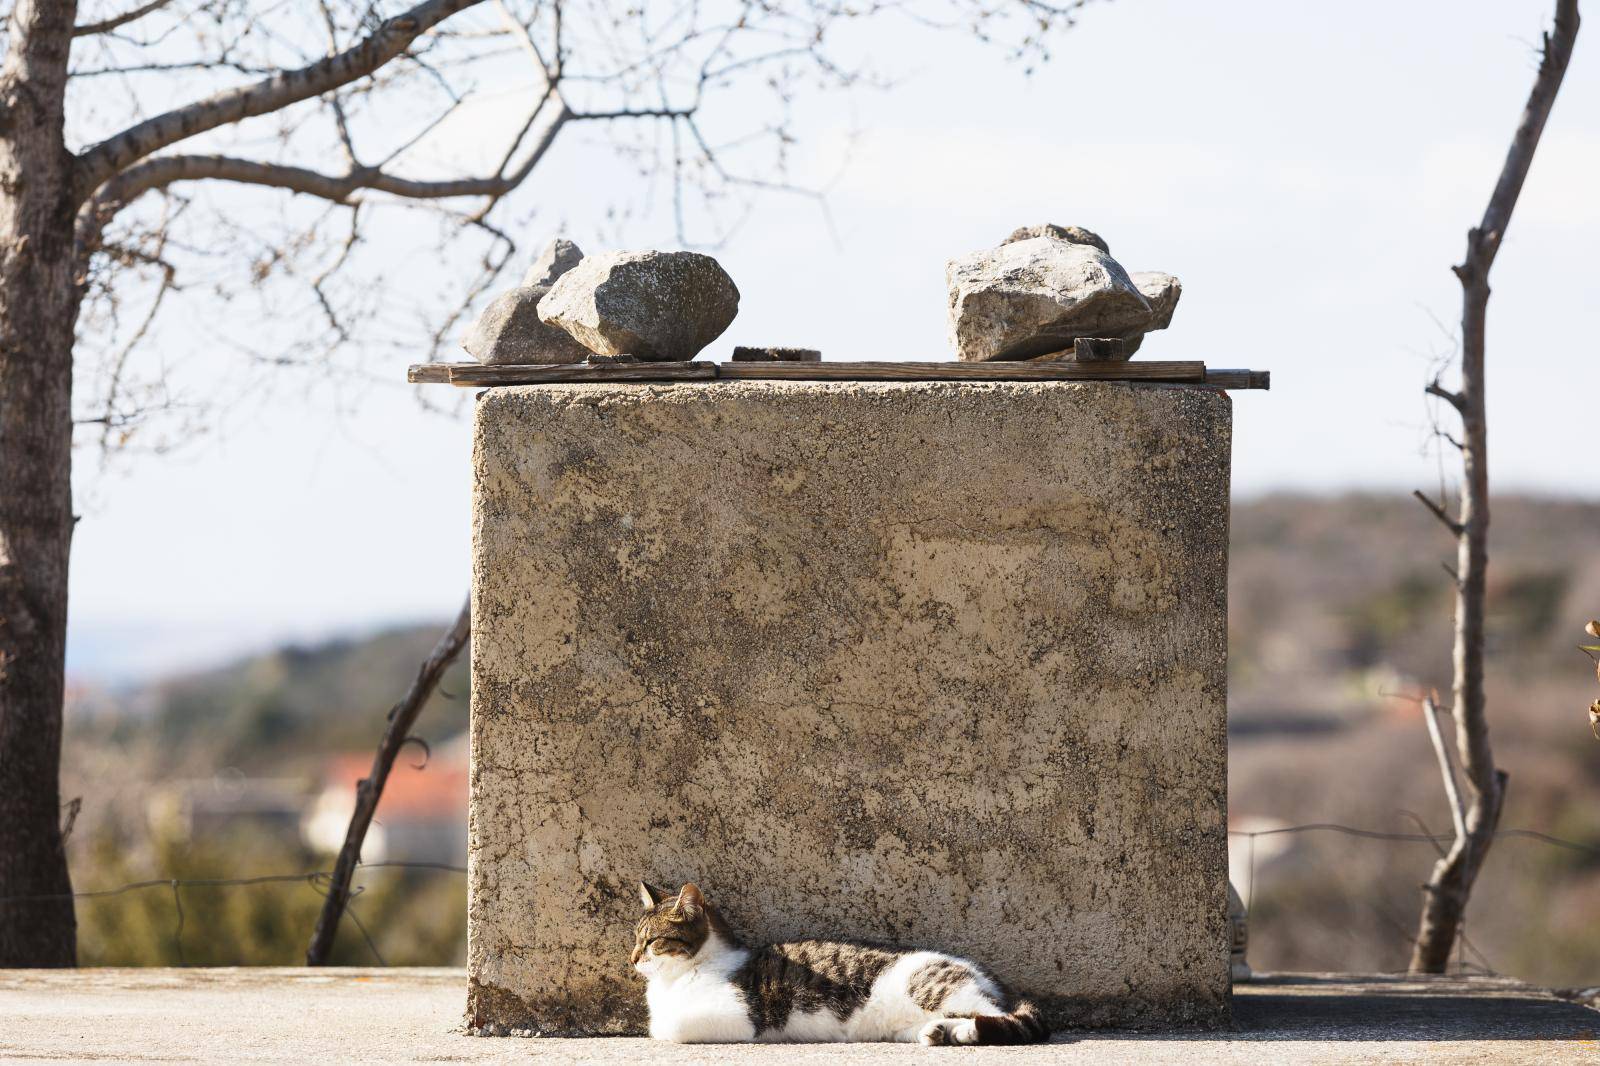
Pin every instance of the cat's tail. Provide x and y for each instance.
(1024, 1025)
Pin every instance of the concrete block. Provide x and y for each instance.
(929, 663)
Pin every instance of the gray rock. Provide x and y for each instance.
(1070, 234)
(1039, 295)
(1161, 291)
(657, 306)
(558, 257)
(509, 331)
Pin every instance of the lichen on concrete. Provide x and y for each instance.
(937, 664)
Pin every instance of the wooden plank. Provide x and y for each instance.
(1240, 379)
(474, 375)
(997, 371)
(428, 373)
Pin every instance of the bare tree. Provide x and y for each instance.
(1446, 893)
(327, 100)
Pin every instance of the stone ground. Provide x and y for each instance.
(413, 1015)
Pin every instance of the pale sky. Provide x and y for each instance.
(1307, 170)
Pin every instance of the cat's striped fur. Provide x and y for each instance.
(705, 986)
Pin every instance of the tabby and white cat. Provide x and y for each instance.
(707, 987)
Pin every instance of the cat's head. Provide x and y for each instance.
(672, 929)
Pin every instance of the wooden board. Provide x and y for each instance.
(998, 371)
(1240, 379)
(475, 375)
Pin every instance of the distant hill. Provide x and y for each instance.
(279, 711)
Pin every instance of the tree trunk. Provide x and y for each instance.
(39, 299)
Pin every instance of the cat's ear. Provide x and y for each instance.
(649, 896)
(690, 901)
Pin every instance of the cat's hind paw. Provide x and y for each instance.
(944, 1031)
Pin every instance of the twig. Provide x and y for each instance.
(107, 25)
(1438, 512)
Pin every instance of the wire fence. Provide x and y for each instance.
(319, 879)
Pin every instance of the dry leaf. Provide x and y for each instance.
(1593, 628)
(1594, 719)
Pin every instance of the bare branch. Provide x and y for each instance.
(1447, 769)
(631, 112)
(526, 41)
(339, 188)
(1452, 398)
(1556, 52)
(1438, 512)
(107, 25)
(389, 40)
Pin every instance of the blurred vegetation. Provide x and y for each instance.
(415, 917)
(1339, 617)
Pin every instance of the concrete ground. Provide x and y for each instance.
(414, 1015)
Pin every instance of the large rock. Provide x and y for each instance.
(509, 331)
(558, 257)
(1039, 295)
(1070, 234)
(655, 306)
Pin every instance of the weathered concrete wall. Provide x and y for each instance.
(930, 663)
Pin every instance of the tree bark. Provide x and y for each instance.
(1446, 893)
(39, 298)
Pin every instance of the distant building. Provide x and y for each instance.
(421, 818)
(228, 803)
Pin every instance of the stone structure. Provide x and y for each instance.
(932, 663)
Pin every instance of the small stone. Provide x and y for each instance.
(509, 331)
(558, 257)
(742, 354)
(657, 306)
(1039, 295)
(1070, 234)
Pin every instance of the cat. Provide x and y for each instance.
(705, 986)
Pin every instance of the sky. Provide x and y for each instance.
(1308, 170)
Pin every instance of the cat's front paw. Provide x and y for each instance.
(949, 1031)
